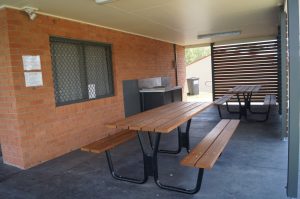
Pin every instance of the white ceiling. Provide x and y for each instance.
(176, 21)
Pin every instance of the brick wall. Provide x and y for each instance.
(44, 131)
(10, 135)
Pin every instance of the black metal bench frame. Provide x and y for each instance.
(227, 106)
(117, 176)
(266, 113)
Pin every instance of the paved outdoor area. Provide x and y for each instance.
(201, 97)
(254, 165)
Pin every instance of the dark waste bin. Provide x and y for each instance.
(193, 85)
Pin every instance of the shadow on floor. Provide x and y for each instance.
(253, 165)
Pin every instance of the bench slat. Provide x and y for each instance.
(205, 143)
(223, 99)
(109, 142)
(212, 154)
(205, 154)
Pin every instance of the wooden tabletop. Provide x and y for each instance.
(162, 119)
(245, 89)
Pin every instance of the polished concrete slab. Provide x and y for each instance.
(253, 166)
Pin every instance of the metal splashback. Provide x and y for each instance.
(154, 82)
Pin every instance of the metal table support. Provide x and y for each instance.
(151, 169)
(183, 140)
(124, 178)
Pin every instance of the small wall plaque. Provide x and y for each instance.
(33, 79)
(31, 62)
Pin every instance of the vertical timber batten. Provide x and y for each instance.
(212, 70)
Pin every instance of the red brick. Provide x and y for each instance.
(45, 131)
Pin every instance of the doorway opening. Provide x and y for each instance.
(198, 74)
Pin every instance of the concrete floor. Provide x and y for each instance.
(253, 165)
(201, 97)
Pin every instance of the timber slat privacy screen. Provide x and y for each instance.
(254, 63)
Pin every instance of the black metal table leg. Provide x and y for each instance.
(248, 103)
(183, 140)
(124, 178)
(179, 146)
(219, 111)
(151, 167)
(240, 105)
(185, 137)
(149, 159)
(168, 187)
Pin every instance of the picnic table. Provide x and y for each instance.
(161, 120)
(245, 92)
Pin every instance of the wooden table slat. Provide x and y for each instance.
(257, 88)
(142, 114)
(172, 124)
(149, 121)
(125, 124)
(163, 120)
(245, 89)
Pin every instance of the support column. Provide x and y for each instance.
(294, 98)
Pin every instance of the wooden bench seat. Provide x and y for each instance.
(223, 99)
(206, 153)
(109, 142)
(270, 100)
(220, 101)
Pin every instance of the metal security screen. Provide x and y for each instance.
(81, 70)
(254, 63)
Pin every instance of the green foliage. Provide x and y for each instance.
(192, 54)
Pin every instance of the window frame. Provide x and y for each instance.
(82, 43)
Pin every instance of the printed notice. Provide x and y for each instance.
(33, 79)
(31, 62)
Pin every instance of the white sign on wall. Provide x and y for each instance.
(33, 79)
(31, 62)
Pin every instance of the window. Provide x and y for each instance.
(81, 70)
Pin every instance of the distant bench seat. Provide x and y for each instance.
(269, 101)
(220, 101)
